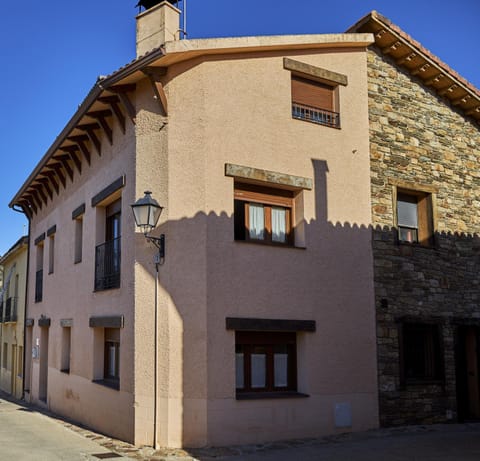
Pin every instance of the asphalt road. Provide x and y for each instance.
(30, 435)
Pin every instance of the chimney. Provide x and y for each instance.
(157, 25)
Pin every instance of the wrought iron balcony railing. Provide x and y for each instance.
(10, 310)
(107, 265)
(315, 115)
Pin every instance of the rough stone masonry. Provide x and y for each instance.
(420, 140)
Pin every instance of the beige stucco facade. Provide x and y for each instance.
(12, 315)
(229, 103)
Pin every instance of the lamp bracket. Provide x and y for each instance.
(159, 242)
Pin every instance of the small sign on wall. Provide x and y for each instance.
(35, 352)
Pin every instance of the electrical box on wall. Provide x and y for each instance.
(343, 415)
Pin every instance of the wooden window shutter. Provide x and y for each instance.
(310, 93)
(425, 220)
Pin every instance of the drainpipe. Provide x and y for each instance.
(26, 299)
(155, 398)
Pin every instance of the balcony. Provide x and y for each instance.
(107, 265)
(315, 115)
(39, 286)
(10, 310)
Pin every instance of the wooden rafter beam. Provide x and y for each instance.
(473, 111)
(407, 58)
(72, 154)
(34, 195)
(155, 75)
(121, 91)
(391, 48)
(435, 79)
(101, 117)
(64, 161)
(113, 102)
(50, 175)
(420, 69)
(77, 162)
(81, 140)
(46, 185)
(39, 189)
(462, 100)
(90, 128)
(57, 168)
(448, 89)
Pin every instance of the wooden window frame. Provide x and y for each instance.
(425, 229)
(111, 338)
(248, 340)
(269, 197)
(433, 359)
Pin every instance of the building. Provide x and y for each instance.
(255, 147)
(12, 315)
(425, 182)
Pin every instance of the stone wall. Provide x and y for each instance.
(417, 138)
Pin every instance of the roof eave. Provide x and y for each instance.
(421, 63)
(100, 85)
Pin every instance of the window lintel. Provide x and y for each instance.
(266, 177)
(114, 321)
(109, 193)
(411, 187)
(255, 324)
(317, 73)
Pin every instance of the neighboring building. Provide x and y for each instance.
(258, 149)
(425, 154)
(12, 314)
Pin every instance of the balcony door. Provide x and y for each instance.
(108, 254)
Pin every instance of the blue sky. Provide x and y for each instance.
(52, 52)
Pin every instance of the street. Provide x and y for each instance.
(27, 433)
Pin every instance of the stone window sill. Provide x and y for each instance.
(108, 383)
(270, 395)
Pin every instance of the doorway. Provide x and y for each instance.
(468, 372)
(43, 384)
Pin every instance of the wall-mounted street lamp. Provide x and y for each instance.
(147, 212)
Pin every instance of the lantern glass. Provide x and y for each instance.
(147, 212)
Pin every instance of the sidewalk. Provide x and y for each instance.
(441, 442)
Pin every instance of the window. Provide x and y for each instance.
(78, 240)
(5, 355)
(265, 361)
(51, 254)
(66, 347)
(111, 362)
(20, 362)
(107, 255)
(263, 214)
(414, 217)
(421, 352)
(314, 101)
(39, 274)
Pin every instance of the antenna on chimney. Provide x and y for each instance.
(147, 4)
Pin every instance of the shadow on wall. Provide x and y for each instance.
(331, 280)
